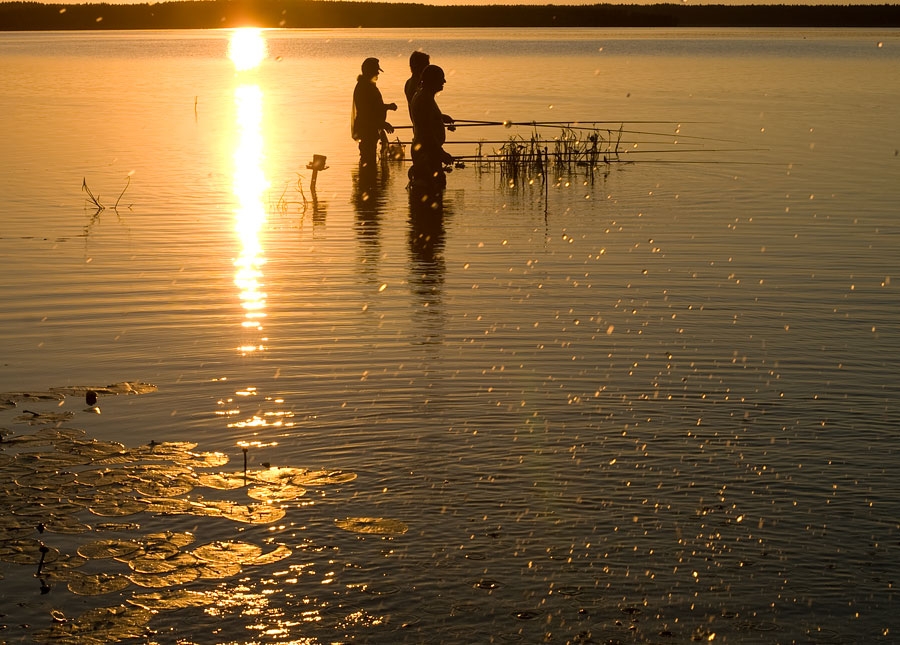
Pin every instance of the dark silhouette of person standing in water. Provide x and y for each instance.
(418, 61)
(429, 135)
(368, 118)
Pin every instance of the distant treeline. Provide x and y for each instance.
(208, 14)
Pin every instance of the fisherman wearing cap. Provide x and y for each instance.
(428, 155)
(368, 119)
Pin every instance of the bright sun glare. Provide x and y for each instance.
(247, 48)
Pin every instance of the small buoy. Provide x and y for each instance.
(90, 397)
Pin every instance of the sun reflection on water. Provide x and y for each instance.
(247, 50)
(250, 185)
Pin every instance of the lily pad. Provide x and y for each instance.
(276, 493)
(175, 599)
(117, 507)
(372, 525)
(161, 484)
(95, 584)
(222, 481)
(278, 554)
(218, 570)
(167, 505)
(254, 513)
(27, 551)
(222, 551)
(165, 580)
(100, 549)
(325, 477)
(149, 564)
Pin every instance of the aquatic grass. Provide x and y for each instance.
(95, 199)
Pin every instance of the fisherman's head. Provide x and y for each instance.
(433, 78)
(370, 68)
(418, 61)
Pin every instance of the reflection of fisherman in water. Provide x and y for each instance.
(428, 155)
(369, 200)
(369, 114)
(427, 268)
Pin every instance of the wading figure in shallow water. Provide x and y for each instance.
(369, 116)
(418, 61)
(429, 135)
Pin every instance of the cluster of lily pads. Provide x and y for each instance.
(55, 480)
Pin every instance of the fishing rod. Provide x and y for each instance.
(611, 131)
(554, 124)
(577, 156)
(471, 142)
(615, 160)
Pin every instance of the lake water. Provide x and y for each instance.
(656, 402)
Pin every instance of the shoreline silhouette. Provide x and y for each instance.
(319, 14)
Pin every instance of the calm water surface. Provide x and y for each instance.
(652, 403)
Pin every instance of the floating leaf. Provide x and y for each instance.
(103, 477)
(324, 477)
(210, 508)
(116, 507)
(204, 459)
(165, 580)
(218, 570)
(372, 525)
(162, 484)
(254, 514)
(51, 459)
(175, 599)
(42, 480)
(179, 540)
(222, 481)
(117, 526)
(95, 584)
(16, 397)
(274, 493)
(27, 551)
(150, 564)
(221, 551)
(39, 418)
(167, 505)
(64, 525)
(164, 450)
(132, 387)
(276, 555)
(276, 475)
(100, 549)
(95, 449)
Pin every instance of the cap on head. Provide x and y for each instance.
(371, 66)
(433, 77)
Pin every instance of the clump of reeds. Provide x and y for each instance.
(522, 159)
(95, 199)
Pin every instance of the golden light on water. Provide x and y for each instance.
(250, 185)
(247, 48)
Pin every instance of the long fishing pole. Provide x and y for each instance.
(611, 131)
(553, 124)
(615, 160)
(624, 153)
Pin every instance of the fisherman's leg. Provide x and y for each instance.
(367, 151)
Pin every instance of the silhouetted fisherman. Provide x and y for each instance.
(368, 118)
(418, 61)
(429, 135)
